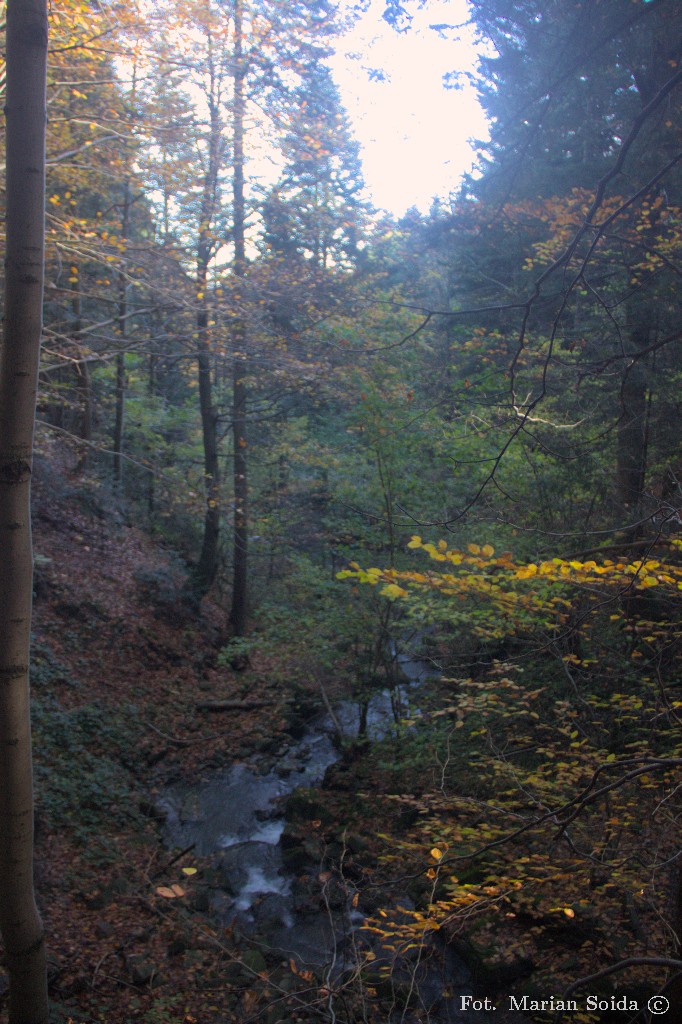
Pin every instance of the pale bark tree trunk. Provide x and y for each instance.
(239, 389)
(20, 924)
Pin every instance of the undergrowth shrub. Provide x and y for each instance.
(82, 766)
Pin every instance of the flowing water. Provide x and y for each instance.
(236, 818)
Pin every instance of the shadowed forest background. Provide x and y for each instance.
(287, 442)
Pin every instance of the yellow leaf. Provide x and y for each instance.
(189, 871)
(474, 549)
(436, 853)
(488, 550)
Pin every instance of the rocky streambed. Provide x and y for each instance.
(299, 900)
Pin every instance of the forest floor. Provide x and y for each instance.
(120, 667)
(120, 671)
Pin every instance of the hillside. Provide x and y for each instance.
(120, 665)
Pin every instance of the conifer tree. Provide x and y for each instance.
(316, 211)
(589, 97)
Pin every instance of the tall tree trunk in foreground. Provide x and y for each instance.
(20, 924)
(239, 389)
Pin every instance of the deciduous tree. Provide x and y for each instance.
(20, 923)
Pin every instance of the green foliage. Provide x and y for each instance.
(315, 212)
(82, 760)
(47, 671)
(305, 613)
(238, 648)
(570, 744)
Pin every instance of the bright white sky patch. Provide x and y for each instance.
(414, 133)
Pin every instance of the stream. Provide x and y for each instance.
(236, 819)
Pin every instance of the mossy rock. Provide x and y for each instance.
(252, 962)
(298, 852)
(306, 805)
(487, 967)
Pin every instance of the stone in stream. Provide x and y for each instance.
(268, 879)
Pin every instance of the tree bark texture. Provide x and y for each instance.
(634, 398)
(238, 611)
(83, 384)
(20, 924)
(121, 379)
(207, 566)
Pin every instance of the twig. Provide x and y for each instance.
(232, 705)
(171, 739)
(330, 710)
(633, 961)
(173, 860)
(185, 743)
